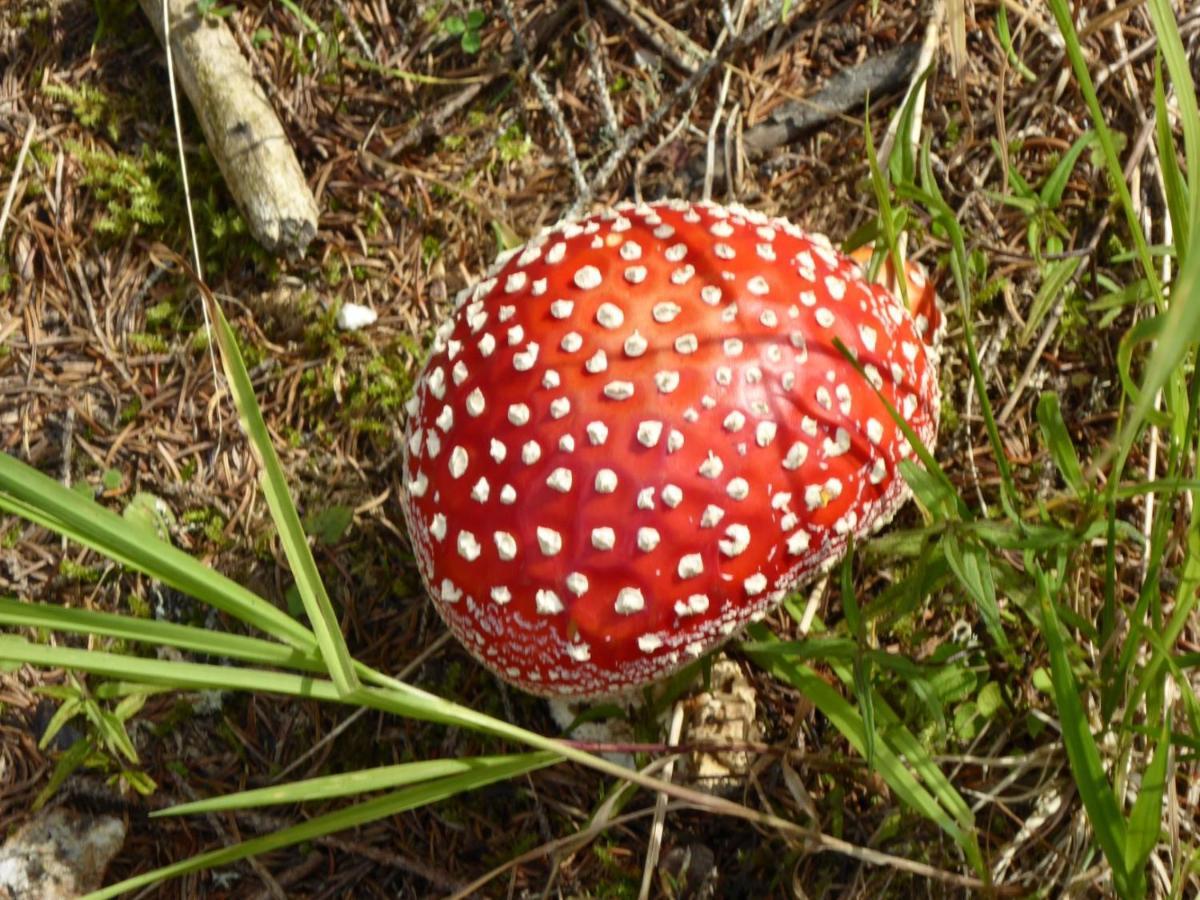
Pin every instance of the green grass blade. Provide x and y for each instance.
(888, 761)
(1145, 820)
(291, 533)
(1052, 191)
(1183, 317)
(1005, 37)
(42, 500)
(352, 817)
(1174, 185)
(971, 567)
(363, 781)
(1057, 278)
(946, 219)
(1058, 442)
(1166, 29)
(1095, 791)
(1066, 26)
(861, 663)
(18, 613)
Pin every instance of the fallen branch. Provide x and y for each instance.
(241, 128)
(876, 75)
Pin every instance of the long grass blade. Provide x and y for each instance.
(359, 814)
(41, 499)
(1095, 791)
(19, 613)
(888, 762)
(346, 784)
(283, 512)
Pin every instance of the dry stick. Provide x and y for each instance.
(660, 807)
(596, 70)
(882, 74)
(240, 127)
(11, 194)
(549, 104)
(359, 38)
(733, 158)
(710, 146)
(663, 36)
(769, 17)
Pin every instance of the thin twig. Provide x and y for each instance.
(662, 35)
(769, 17)
(11, 194)
(550, 105)
(187, 201)
(359, 38)
(660, 807)
(596, 71)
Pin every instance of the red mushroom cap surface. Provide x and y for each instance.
(637, 434)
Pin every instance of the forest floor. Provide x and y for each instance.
(429, 149)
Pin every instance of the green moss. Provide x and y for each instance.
(11, 537)
(208, 522)
(90, 106)
(130, 187)
(148, 343)
(73, 571)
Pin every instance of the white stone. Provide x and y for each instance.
(352, 317)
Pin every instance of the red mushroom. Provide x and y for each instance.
(637, 434)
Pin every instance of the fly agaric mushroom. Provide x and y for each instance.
(637, 434)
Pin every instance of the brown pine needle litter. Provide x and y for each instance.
(435, 135)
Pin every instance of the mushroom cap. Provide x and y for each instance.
(637, 434)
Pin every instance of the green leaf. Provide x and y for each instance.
(454, 25)
(471, 41)
(1056, 279)
(947, 810)
(934, 494)
(1099, 801)
(1184, 315)
(475, 19)
(1145, 331)
(295, 543)
(970, 564)
(1005, 38)
(1058, 441)
(148, 511)
(330, 524)
(1052, 190)
(1146, 818)
(64, 768)
(1175, 185)
(990, 700)
(1178, 61)
(67, 710)
(112, 479)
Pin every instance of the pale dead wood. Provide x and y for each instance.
(241, 128)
